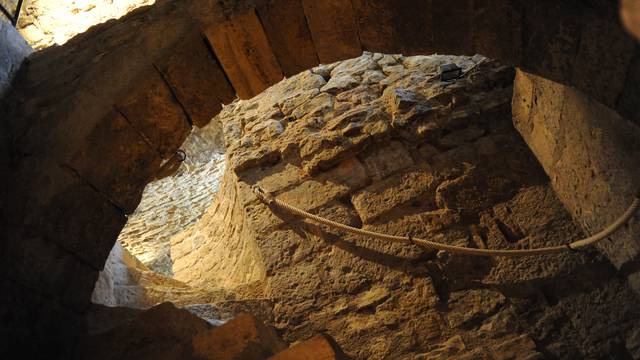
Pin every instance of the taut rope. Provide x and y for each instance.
(623, 219)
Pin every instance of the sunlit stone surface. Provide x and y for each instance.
(379, 142)
(171, 205)
(47, 22)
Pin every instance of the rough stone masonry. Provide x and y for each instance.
(61, 112)
(379, 142)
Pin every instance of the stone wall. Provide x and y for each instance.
(138, 272)
(171, 205)
(89, 123)
(44, 23)
(219, 251)
(127, 282)
(14, 50)
(60, 222)
(379, 142)
(592, 156)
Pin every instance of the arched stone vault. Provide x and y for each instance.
(89, 123)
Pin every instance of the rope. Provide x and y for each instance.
(409, 240)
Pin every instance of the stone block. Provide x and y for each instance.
(481, 185)
(243, 49)
(83, 222)
(289, 104)
(388, 160)
(318, 105)
(333, 29)
(340, 83)
(277, 178)
(162, 332)
(413, 186)
(361, 94)
(152, 110)
(122, 52)
(324, 152)
(430, 328)
(312, 194)
(355, 66)
(356, 115)
(392, 28)
(197, 79)
(116, 159)
(350, 173)
(286, 28)
(264, 156)
(538, 122)
(243, 338)
(576, 139)
(370, 298)
(401, 102)
(321, 347)
(300, 282)
(584, 178)
(522, 103)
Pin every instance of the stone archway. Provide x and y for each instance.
(124, 96)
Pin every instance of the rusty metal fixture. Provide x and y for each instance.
(171, 166)
(630, 16)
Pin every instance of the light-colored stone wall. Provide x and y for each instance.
(592, 156)
(63, 112)
(171, 205)
(13, 51)
(220, 250)
(44, 23)
(127, 282)
(379, 142)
